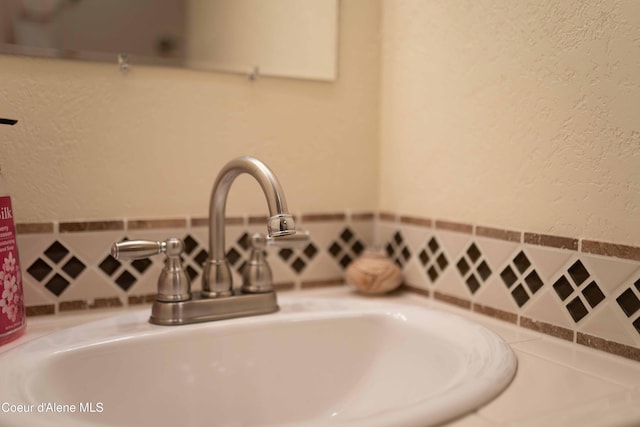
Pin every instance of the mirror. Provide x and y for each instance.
(284, 38)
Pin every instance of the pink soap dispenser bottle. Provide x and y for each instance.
(12, 313)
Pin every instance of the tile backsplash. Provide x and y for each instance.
(582, 291)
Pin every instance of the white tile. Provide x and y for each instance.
(323, 234)
(548, 261)
(508, 331)
(90, 247)
(385, 233)
(364, 230)
(32, 246)
(599, 364)
(414, 275)
(415, 237)
(617, 410)
(89, 285)
(449, 282)
(611, 273)
(147, 283)
(323, 267)
(547, 307)
(471, 420)
(454, 244)
(497, 253)
(494, 293)
(608, 321)
(541, 386)
(35, 293)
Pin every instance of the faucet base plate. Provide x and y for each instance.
(199, 309)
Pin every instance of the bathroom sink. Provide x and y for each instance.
(316, 362)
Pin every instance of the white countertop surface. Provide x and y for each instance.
(557, 383)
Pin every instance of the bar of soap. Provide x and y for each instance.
(373, 273)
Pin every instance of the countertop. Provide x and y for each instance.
(556, 384)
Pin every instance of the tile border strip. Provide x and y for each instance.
(595, 247)
(590, 341)
(612, 347)
(611, 249)
(82, 226)
(588, 246)
(497, 233)
(454, 226)
(551, 241)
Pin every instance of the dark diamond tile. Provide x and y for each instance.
(298, 265)
(357, 247)
(578, 273)
(191, 272)
(57, 284)
(398, 238)
(345, 261)
(473, 252)
(141, 265)
(442, 262)
(484, 271)
(241, 266)
(398, 262)
(245, 241)
(190, 244)
(521, 262)
(39, 269)
(637, 285)
(335, 249)
(389, 250)
(109, 265)
(433, 273)
(285, 253)
(56, 252)
(593, 294)
(433, 245)
(310, 251)
(73, 267)
(577, 310)
(628, 302)
(125, 280)
(534, 282)
(563, 288)
(636, 324)
(473, 284)
(233, 256)
(424, 257)
(346, 235)
(406, 254)
(201, 258)
(508, 276)
(463, 266)
(520, 295)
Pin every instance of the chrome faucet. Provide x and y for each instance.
(175, 303)
(217, 280)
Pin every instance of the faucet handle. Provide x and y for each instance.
(257, 276)
(137, 249)
(173, 283)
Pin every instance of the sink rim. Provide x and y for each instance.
(128, 326)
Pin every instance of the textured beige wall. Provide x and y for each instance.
(513, 114)
(517, 114)
(93, 143)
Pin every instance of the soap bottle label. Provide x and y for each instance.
(11, 297)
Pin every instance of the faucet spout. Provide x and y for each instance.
(216, 278)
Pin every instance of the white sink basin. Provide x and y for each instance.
(317, 362)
